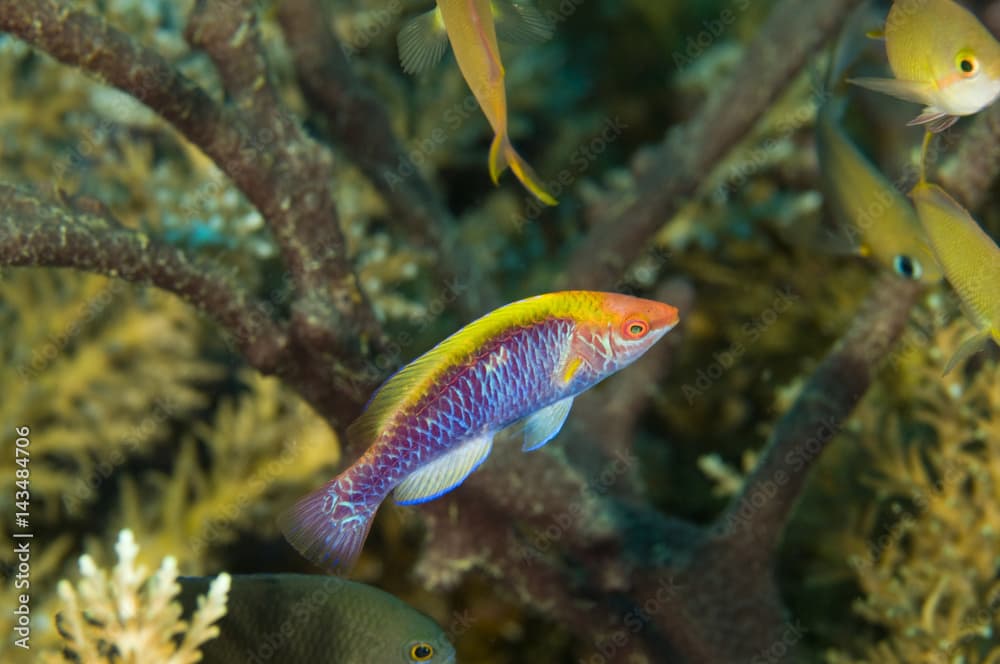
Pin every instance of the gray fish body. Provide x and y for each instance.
(293, 618)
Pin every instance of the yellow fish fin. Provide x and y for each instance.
(542, 426)
(444, 473)
(969, 347)
(907, 90)
(520, 22)
(502, 155)
(877, 33)
(422, 41)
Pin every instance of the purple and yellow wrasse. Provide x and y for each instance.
(969, 258)
(472, 27)
(432, 424)
(880, 220)
(942, 57)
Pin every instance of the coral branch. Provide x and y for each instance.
(34, 232)
(356, 119)
(297, 201)
(357, 122)
(282, 172)
(829, 396)
(791, 35)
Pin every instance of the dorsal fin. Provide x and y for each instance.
(414, 379)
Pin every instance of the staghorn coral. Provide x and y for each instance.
(131, 617)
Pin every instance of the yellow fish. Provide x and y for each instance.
(871, 207)
(942, 57)
(472, 27)
(970, 260)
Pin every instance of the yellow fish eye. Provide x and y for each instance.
(421, 652)
(967, 64)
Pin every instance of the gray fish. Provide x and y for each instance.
(292, 618)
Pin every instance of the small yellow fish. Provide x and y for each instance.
(472, 27)
(942, 57)
(873, 209)
(970, 260)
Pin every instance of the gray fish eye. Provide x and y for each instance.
(907, 267)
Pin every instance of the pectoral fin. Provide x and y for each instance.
(969, 347)
(907, 90)
(543, 426)
(520, 22)
(935, 120)
(444, 473)
(422, 42)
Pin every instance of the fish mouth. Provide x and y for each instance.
(667, 318)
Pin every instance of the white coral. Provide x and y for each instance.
(134, 616)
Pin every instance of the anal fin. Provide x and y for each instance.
(444, 473)
(542, 426)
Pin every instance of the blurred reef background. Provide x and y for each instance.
(322, 218)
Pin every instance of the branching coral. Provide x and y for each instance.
(77, 395)
(573, 538)
(262, 446)
(129, 616)
(928, 568)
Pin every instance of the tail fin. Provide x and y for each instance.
(328, 528)
(502, 155)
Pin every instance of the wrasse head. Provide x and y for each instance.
(624, 329)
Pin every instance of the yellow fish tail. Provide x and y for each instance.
(502, 155)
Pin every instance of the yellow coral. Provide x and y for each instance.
(263, 449)
(929, 571)
(97, 369)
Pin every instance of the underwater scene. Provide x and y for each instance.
(500, 331)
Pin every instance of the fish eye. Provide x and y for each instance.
(635, 328)
(421, 652)
(967, 64)
(907, 267)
